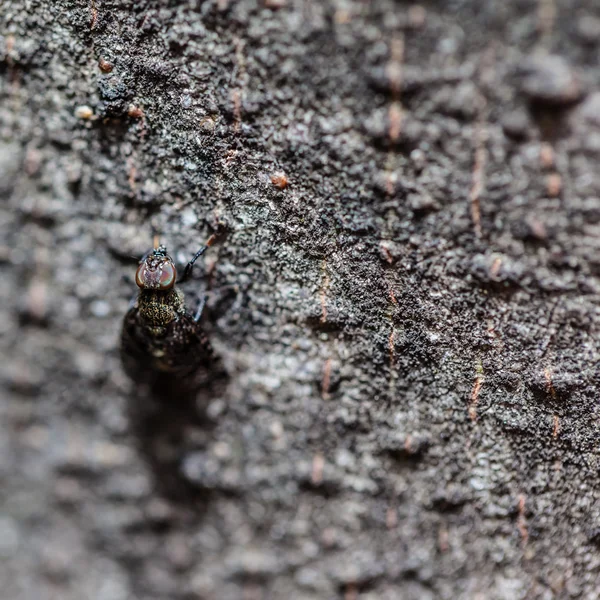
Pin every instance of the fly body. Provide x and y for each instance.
(159, 335)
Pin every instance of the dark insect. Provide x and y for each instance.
(160, 338)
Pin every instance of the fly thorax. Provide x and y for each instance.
(157, 309)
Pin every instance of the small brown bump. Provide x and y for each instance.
(391, 179)
(36, 303)
(84, 112)
(386, 254)
(549, 385)
(522, 521)
(546, 156)
(389, 251)
(495, 268)
(279, 180)
(135, 112)
(391, 518)
(207, 124)
(230, 156)
(342, 16)
(537, 229)
(236, 98)
(475, 397)
(10, 44)
(105, 66)
(131, 173)
(275, 4)
(395, 116)
(351, 592)
(443, 539)
(556, 427)
(328, 537)
(417, 16)
(546, 16)
(391, 346)
(553, 185)
(94, 15)
(317, 469)
(33, 162)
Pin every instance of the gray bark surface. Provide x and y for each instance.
(409, 324)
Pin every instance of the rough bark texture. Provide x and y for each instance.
(409, 326)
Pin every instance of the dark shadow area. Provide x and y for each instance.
(162, 413)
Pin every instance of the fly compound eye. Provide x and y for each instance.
(140, 276)
(167, 276)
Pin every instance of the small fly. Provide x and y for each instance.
(159, 336)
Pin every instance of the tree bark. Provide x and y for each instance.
(406, 300)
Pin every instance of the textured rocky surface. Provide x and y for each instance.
(407, 301)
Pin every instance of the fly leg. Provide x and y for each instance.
(133, 301)
(188, 268)
(200, 309)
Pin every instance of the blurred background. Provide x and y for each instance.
(406, 301)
